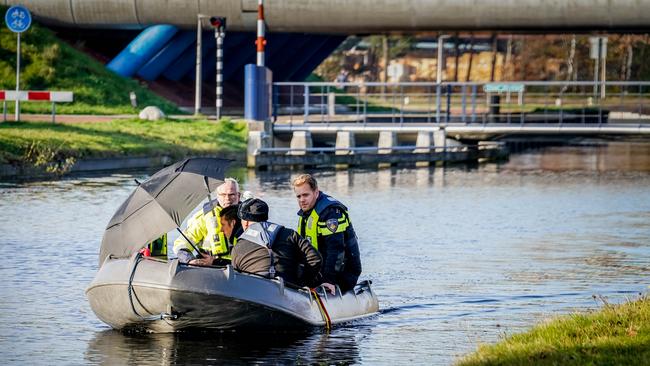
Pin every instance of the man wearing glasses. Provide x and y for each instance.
(210, 232)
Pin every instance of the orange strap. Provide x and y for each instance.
(323, 311)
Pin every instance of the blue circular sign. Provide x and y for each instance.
(18, 19)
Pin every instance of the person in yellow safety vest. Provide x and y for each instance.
(206, 231)
(325, 222)
(231, 227)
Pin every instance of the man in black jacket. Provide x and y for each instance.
(325, 222)
(271, 250)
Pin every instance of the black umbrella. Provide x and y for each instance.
(160, 204)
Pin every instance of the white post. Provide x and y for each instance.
(597, 60)
(603, 66)
(197, 95)
(17, 112)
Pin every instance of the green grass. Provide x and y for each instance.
(614, 335)
(47, 63)
(39, 144)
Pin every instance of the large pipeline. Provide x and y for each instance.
(349, 17)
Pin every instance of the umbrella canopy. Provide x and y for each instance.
(160, 204)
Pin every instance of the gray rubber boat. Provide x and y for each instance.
(160, 296)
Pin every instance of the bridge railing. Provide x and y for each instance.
(459, 102)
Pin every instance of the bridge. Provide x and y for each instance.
(352, 17)
(300, 34)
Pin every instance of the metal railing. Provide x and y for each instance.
(369, 149)
(458, 102)
(416, 149)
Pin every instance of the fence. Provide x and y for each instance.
(455, 102)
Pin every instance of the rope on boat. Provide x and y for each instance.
(138, 258)
(323, 310)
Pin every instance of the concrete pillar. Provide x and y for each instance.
(331, 104)
(423, 146)
(424, 142)
(387, 140)
(256, 140)
(345, 140)
(301, 140)
(440, 139)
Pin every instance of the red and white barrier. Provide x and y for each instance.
(41, 96)
(33, 96)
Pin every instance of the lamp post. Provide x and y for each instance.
(441, 39)
(197, 86)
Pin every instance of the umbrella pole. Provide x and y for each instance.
(207, 186)
(189, 241)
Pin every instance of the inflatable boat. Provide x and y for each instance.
(133, 291)
(155, 295)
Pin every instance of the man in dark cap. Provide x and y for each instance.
(271, 250)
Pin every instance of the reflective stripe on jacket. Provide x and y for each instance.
(204, 229)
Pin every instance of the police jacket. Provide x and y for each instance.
(204, 229)
(327, 226)
(271, 250)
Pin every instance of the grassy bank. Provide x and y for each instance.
(47, 63)
(57, 146)
(614, 335)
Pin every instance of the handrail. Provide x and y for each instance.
(434, 148)
(587, 102)
(459, 83)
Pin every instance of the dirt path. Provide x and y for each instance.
(69, 118)
(82, 118)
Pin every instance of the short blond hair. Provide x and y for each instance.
(305, 178)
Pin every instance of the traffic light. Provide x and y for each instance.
(219, 23)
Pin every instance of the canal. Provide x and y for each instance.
(458, 256)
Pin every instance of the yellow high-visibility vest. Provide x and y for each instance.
(204, 229)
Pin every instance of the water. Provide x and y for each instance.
(458, 256)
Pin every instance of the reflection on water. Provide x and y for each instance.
(114, 348)
(613, 156)
(458, 256)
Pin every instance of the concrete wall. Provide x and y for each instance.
(344, 16)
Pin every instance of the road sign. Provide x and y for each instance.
(18, 19)
(593, 50)
(503, 88)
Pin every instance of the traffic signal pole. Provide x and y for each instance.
(219, 90)
(219, 24)
(261, 40)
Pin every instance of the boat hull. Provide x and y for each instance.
(165, 296)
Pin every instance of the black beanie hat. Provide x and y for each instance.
(254, 210)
